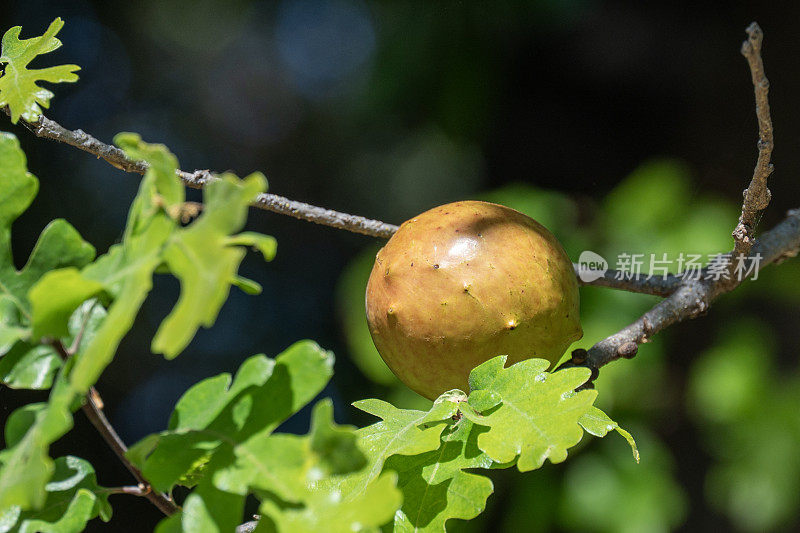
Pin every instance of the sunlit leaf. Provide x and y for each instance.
(29, 366)
(311, 471)
(165, 189)
(597, 423)
(403, 431)
(205, 258)
(265, 244)
(517, 415)
(59, 245)
(219, 411)
(126, 271)
(539, 414)
(326, 510)
(225, 425)
(435, 486)
(11, 329)
(54, 298)
(19, 89)
(26, 465)
(131, 264)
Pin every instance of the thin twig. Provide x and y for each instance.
(693, 297)
(50, 129)
(98, 419)
(326, 217)
(684, 298)
(640, 283)
(757, 195)
(106, 430)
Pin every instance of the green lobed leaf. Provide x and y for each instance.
(435, 486)
(263, 394)
(162, 180)
(73, 498)
(403, 431)
(26, 467)
(133, 265)
(226, 426)
(126, 271)
(325, 510)
(205, 258)
(24, 365)
(20, 421)
(311, 471)
(333, 444)
(208, 508)
(287, 465)
(429, 451)
(517, 415)
(34, 366)
(59, 246)
(539, 415)
(265, 244)
(54, 298)
(29, 366)
(84, 323)
(597, 423)
(247, 286)
(37, 301)
(10, 329)
(19, 89)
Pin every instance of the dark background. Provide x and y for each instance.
(385, 109)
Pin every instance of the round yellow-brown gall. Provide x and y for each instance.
(465, 282)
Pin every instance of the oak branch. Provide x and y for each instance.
(683, 298)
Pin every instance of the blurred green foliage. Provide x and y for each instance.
(741, 397)
(747, 412)
(743, 409)
(645, 498)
